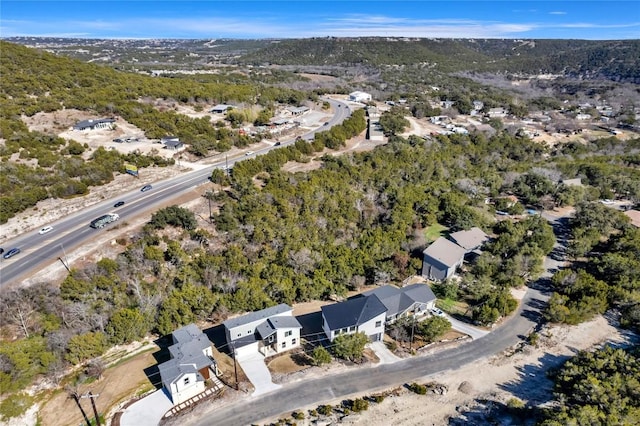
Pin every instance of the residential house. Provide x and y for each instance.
(415, 299)
(583, 116)
(358, 96)
(269, 331)
(221, 108)
(497, 112)
(471, 239)
(295, 111)
(173, 144)
(191, 364)
(101, 123)
(361, 314)
(441, 259)
(167, 139)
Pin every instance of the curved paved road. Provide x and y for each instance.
(362, 380)
(72, 231)
(297, 395)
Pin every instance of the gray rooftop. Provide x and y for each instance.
(187, 353)
(444, 251)
(91, 122)
(471, 239)
(270, 326)
(257, 315)
(353, 312)
(398, 300)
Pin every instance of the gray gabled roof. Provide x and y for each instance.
(444, 251)
(270, 326)
(398, 300)
(353, 312)
(471, 239)
(257, 315)
(172, 370)
(187, 353)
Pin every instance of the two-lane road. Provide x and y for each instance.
(38, 251)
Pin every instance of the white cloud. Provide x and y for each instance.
(557, 13)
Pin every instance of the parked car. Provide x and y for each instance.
(45, 230)
(249, 153)
(146, 188)
(437, 312)
(277, 144)
(119, 204)
(11, 253)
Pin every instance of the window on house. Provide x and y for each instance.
(186, 380)
(378, 323)
(288, 333)
(284, 344)
(249, 332)
(239, 334)
(352, 328)
(344, 330)
(293, 341)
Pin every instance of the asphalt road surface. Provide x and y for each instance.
(38, 251)
(297, 395)
(305, 393)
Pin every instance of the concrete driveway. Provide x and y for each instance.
(383, 353)
(148, 411)
(257, 372)
(465, 328)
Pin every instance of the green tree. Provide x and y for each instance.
(320, 356)
(433, 328)
(350, 346)
(86, 346)
(126, 326)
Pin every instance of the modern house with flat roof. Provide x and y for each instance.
(101, 123)
(358, 96)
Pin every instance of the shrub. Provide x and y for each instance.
(418, 388)
(298, 415)
(378, 398)
(325, 410)
(320, 356)
(359, 404)
(15, 405)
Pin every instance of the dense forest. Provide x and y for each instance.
(277, 237)
(36, 81)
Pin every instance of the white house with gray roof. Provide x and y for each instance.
(414, 299)
(441, 259)
(269, 331)
(91, 124)
(358, 315)
(184, 375)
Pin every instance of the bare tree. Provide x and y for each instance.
(18, 309)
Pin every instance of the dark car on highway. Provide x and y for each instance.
(119, 204)
(146, 188)
(11, 253)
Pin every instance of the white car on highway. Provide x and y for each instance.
(45, 230)
(437, 312)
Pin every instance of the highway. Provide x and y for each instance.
(71, 232)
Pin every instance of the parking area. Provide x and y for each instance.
(148, 411)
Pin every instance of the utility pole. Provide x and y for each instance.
(226, 164)
(235, 365)
(76, 398)
(65, 262)
(413, 326)
(92, 397)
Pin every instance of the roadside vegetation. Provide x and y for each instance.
(278, 237)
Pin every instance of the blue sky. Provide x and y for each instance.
(581, 19)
